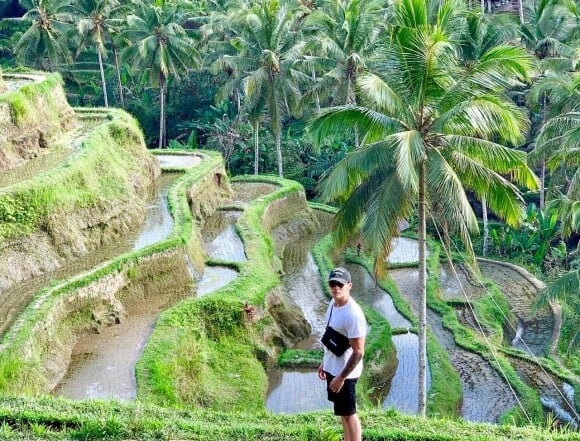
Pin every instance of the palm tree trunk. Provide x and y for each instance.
(256, 145)
(279, 152)
(423, 295)
(118, 68)
(238, 100)
(103, 77)
(485, 226)
(557, 311)
(351, 100)
(521, 10)
(162, 111)
(543, 184)
(483, 6)
(316, 93)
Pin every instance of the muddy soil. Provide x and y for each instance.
(246, 192)
(555, 394)
(458, 285)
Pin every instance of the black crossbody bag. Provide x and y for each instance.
(334, 340)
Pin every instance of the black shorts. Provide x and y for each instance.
(345, 400)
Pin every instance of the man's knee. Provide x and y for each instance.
(349, 418)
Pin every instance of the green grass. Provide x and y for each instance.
(52, 419)
(100, 171)
(24, 106)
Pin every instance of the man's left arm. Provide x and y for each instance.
(358, 352)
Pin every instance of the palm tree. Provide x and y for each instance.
(560, 94)
(344, 35)
(550, 25)
(94, 21)
(44, 43)
(429, 133)
(161, 49)
(550, 31)
(265, 37)
(484, 33)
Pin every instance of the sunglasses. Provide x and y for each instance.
(335, 283)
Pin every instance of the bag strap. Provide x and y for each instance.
(330, 316)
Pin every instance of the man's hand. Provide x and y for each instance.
(336, 384)
(321, 373)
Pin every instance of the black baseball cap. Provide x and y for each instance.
(339, 275)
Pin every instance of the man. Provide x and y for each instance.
(341, 372)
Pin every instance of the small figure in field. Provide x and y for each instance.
(343, 344)
(249, 310)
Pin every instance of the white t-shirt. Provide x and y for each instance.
(350, 321)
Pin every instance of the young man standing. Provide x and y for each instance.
(341, 372)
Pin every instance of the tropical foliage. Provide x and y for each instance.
(428, 129)
(420, 106)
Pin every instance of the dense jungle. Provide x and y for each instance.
(178, 178)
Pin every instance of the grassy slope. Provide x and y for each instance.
(49, 418)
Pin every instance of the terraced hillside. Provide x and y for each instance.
(151, 281)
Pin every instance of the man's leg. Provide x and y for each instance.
(352, 427)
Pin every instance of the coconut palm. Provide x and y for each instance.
(550, 26)
(550, 30)
(430, 128)
(560, 134)
(94, 20)
(344, 36)
(44, 43)
(485, 33)
(160, 48)
(265, 36)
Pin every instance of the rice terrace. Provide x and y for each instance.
(178, 179)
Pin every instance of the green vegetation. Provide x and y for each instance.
(458, 117)
(53, 419)
(23, 102)
(48, 322)
(93, 174)
(221, 354)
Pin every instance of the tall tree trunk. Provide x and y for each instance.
(543, 184)
(316, 93)
(118, 68)
(103, 77)
(162, 111)
(485, 226)
(238, 100)
(521, 11)
(423, 295)
(256, 145)
(483, 6)
(351, 101)
(279, 152)
(489, 6)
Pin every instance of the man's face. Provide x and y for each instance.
(340, 292)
